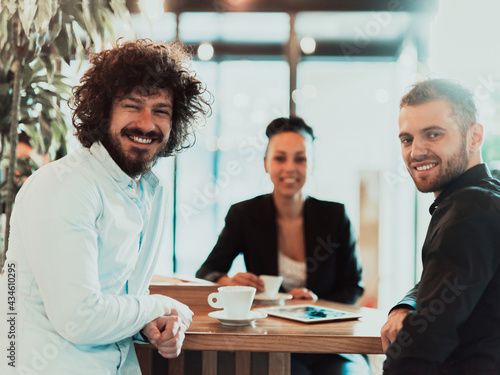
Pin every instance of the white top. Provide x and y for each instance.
(293, 272)
(84, 246)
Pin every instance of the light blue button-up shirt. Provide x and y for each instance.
(84, 244)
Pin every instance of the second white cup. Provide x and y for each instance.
(271, 284)
(235, 300)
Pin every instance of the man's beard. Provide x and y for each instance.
(451, 170)
(137, 161)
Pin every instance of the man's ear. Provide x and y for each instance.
(476, 137)
(265, 165)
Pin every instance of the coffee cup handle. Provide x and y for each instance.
(218, 303)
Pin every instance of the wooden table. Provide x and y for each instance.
(276, 336)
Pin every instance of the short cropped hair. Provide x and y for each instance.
(146, 65)
(460, 98)
(289, 124)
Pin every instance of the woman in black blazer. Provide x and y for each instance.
(307, 241)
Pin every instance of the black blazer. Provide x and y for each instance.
(333, 270)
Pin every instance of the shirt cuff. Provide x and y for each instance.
(402, 305)
(140, 338)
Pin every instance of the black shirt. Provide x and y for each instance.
(455, 328)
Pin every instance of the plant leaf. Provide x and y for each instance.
(61, 88)
(41, 40)
(91, 17)
(120, 9)
(56, 95)
(43, 16)
(10, 5)
(49, 65)
(63, 42)
(27, 11)
(120, 14)
(5, 17)
(8, 64)
(55, 26)
(28, 75)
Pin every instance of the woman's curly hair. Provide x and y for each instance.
(149, 66)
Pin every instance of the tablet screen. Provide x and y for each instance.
(310, 313)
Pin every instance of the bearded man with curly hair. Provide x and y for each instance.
(87, 229)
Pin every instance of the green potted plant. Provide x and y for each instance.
(36, 38)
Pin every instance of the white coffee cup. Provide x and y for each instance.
(235, 300)
(271, 285)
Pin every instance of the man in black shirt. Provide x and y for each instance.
(449, 323)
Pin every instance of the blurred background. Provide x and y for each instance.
(342, 66)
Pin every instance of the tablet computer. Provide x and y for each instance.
(310, 313)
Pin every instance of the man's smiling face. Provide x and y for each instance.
(139, 129)
(433, 145)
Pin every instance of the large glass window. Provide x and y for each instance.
(356, 26)
(353, 108)
(226, 164)
(234, 27)
(159, 25)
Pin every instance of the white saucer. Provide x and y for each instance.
(275, 298)
(252, 316)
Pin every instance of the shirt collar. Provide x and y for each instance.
(123, 179)
(467, 178)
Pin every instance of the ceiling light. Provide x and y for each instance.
(308, 45)
(205, 51)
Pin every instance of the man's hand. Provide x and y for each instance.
(167, 334)
(175, 308)
(393, 325)
(243, 279)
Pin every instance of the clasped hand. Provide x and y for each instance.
(167, 332)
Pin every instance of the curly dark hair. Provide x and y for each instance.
(150, 66)
(459, 97)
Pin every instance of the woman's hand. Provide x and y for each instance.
(303, 293)
(243, 279)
